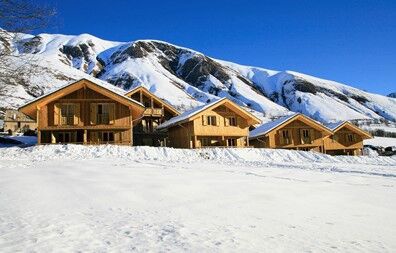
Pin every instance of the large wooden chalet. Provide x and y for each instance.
(346, 139)
(295, 131)
(220, 123)
(85, 112)
(157, 112)
(94, 112)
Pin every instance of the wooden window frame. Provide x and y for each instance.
(68, 118)
(232, 121)
(211, 120)
(350, 138)
(102, 113)
(286, 137)
(72, 136)
(305, 136)
(232, 141)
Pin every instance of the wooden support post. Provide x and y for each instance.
(53, 139)
(85, 138)
(141, 97)
(38, 137)
(152, 102)
(131, 120)
(247, 141)
(38, 125)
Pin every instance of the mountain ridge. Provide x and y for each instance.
(187, 78)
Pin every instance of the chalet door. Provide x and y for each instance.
(66, 137)
(231, 142)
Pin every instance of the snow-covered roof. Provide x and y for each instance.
(334, 125)
(267, 127)
(164, 102)
(337, 125)
(187, 114)
(15, 115)
(103, 84)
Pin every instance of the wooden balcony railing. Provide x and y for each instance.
(154, 112)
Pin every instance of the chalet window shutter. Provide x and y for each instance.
(312, 135)
(217, 120)
(281, 139)
(56, 114)
(76, 118)
(239, 121)
(226, 121)
(111, 113)
(93, 109)
(302, 136)
(204, 120)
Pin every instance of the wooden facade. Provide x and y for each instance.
(219, 124)
(156, 112)
(85, 113)
(347, 139)
(291, 132)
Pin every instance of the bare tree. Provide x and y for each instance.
(18, 17)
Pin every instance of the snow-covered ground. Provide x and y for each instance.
(390, 129)
(381, 142)
(110, 198)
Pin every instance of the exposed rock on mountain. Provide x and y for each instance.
(186, 78)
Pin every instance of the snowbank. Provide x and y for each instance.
(381, 142)
(221, 155)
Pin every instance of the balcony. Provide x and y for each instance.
(156, 112)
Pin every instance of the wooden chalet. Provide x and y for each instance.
(85, 112)
(347, 139)
(295, 131)
(221, 123)
(156, 112)
(16, 122)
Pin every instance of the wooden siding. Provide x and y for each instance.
(197, 131)
(83, 136)
(156, 112)
(84, 101)
(83, 125)
(181, 136)
(339, 141)
(222, 114)
(274, 139)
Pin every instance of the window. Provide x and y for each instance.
(211, 120)
(232, 121)
(148, 125)
(147, 104)
(64, 137)
(285, 137)
(305, 136)
(67, 114)
(205, 142)
(103, 114)
(107, 137)
(231, 142)
(351, 137)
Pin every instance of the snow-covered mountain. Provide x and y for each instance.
(185, 78)
(392, 95)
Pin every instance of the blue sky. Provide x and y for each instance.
(353, 42)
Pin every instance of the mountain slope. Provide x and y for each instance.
(186, 78)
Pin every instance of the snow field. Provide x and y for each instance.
(70, 198)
